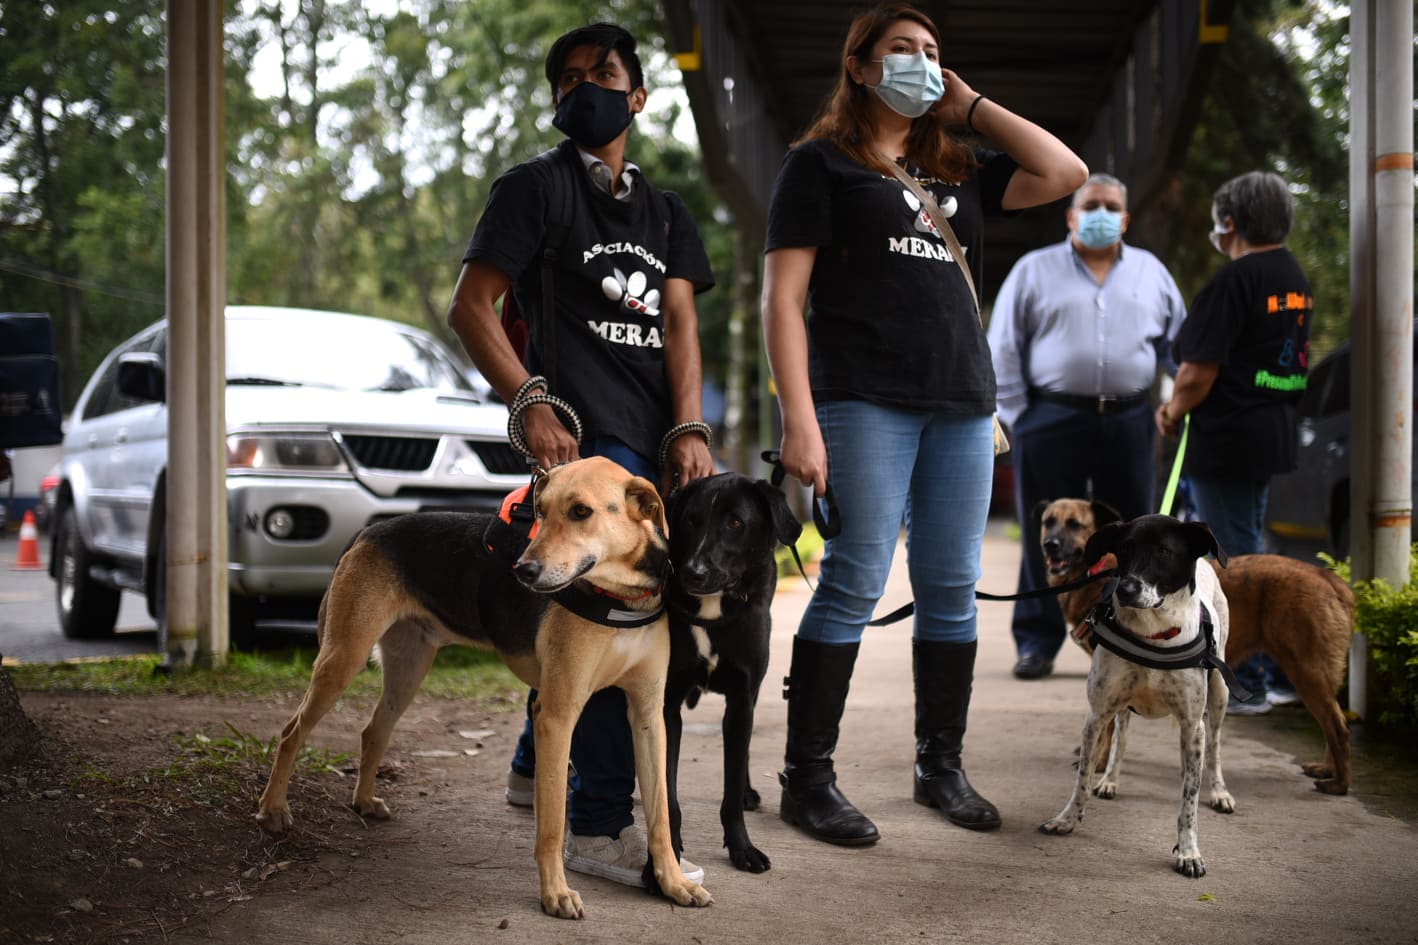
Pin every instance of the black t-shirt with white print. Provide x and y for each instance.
(609, 279)
(890, 318)
(1253, 319)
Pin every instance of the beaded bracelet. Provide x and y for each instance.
(529, 385)
(679, 430)
(970, 115)
(518, 437)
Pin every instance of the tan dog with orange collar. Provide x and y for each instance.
(415, 583)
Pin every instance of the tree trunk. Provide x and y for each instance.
(19, 738)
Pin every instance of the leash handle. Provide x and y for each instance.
(1169, 495)
(828, 521)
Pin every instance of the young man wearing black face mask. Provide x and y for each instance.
(620, 347)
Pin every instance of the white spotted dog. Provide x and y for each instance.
(1160, 636)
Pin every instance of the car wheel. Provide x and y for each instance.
(88, 610)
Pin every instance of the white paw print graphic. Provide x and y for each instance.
(630, 293)
(923, 218)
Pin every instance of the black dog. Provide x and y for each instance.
(723, 532)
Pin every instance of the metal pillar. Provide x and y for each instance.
(1381, 291)
(196, 517)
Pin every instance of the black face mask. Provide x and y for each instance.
(592, 116)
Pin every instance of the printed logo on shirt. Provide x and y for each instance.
(1270, 381)
(918, 246)
(630, 293)
(634, 249)
(1289, 302)
(622, 333)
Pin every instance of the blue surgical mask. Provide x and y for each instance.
(910, 85)
(591, 115)
(1100, 228)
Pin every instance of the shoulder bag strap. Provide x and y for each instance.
(941, 224)
(953, 243)
(559, 201)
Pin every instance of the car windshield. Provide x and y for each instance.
(344, 355)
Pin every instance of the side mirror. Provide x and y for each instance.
(141, 375)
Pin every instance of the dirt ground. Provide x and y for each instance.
(97, 847)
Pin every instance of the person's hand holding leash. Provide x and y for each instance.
(686, 458)
(548, 438)
(1166, 424)
(805, 457)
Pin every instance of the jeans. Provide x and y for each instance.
(932, 471)
(602, 751)
(1234, 509)
(1060, 452)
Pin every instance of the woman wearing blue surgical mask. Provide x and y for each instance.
(885, 386)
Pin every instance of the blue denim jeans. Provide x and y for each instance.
(602, 751)
(1234, 509)
(888, 466)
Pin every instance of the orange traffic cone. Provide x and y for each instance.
(28, 558)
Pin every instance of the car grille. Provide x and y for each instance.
(404, 453)
(452, 500)
(498, 458)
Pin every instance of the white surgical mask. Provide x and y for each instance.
(910, 85)
(1218, 231)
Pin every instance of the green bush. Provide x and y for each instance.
(809, 546)
(1388, 617)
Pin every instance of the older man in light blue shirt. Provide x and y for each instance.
(1078, 333)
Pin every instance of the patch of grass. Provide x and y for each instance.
(457, 673)
(209, 770)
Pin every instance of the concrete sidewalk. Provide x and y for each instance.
(1290, 866)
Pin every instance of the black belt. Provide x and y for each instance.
(1094, 403)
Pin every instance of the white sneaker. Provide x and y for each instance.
(1282, 696)
(620, 859)
(520, 791)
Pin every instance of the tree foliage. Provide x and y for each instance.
(362, 141)
(361, 145)
(1279, 100)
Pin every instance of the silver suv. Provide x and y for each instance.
(333, 421)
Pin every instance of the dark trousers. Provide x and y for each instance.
(1067, 452)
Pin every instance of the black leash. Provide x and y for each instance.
(829, 525)
(906, 610)
(828, 522)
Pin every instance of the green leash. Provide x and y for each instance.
(1170, 494)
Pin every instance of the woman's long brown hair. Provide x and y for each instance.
(845, 118)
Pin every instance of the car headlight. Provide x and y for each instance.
(313, 453)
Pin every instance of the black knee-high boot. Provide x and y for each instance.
(944, 673)
(816, 689)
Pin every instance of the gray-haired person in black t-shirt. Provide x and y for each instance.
(621, 347)
(1243, 356)
(886, 388)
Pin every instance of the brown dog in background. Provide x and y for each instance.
(1301, 614)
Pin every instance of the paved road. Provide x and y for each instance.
(29, 629)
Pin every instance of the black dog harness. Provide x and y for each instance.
(604, 608)
(1202, 651)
